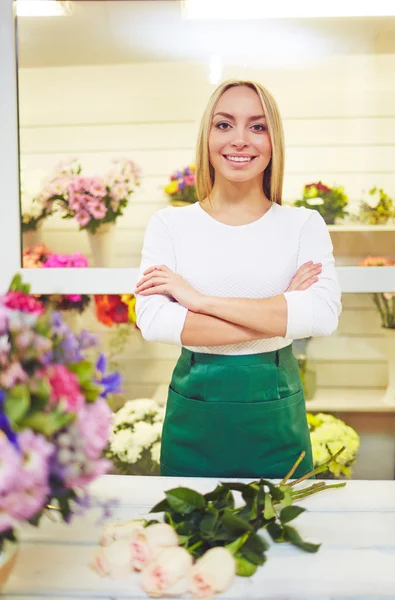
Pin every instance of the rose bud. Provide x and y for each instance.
(147, 543)
(212, 573)
(119, 531)
(168, 573)
(113, 560)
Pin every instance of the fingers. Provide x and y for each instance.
(156, 268)
(149, 282)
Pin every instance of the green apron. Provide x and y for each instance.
(235, 416)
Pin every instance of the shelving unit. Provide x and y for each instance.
(350, 400)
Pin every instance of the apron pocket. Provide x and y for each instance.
(234, 439)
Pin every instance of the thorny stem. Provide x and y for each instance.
(311, 491)
(319, 469)
(292, 471)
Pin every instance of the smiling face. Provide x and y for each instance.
(239, 143)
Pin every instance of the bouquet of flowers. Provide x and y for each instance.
(384, 301)
(42, 257)
(377, 209)
(135, 439)
(92, 201)
(35, 208)
(328, 434)
(181, 189)
(54, 418)
(329, 202)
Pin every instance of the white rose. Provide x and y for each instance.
(113, 561)
(168, 574)
(212, 573)
(119, 531)
(148, 543)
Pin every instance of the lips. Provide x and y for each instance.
(239, 159)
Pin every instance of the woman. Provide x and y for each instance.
(231, 279)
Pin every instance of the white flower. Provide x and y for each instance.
(146, 544)
(155, 452)
(119, 531)
(168, 574)
(315, 201)
(212, 573)
(114, 560)
(144, 434)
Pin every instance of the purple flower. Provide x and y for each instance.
(5, 425)
(110, 383)
(10, 464)
(181, 184)
(87, 340)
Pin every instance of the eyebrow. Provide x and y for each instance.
(229, 116)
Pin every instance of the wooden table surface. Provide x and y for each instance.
(355, 524)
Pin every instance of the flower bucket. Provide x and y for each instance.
(102, 245)
(31, 238)
(389, 334)
(8, 558)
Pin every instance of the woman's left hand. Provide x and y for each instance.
(162, 280)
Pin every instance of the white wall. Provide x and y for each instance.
(339, 119)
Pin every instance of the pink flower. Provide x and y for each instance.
(80, 474)
(97, 187)
(212, 573)
(73, 297)
(65, 388)
(3, 318)
(83, 217)
(13, 375)
(36, 452)
(23, 302)
(119, 191)
(10, 463)
(25, 502)
(168, 573)
(94, 422)
(57, 261)
(113, 560)
(97, 210)
(78, 260)
(189, 179)
(5, 348)
(147, 543)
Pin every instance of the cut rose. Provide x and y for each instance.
(147, 543)
(212, 573)
(168, 574)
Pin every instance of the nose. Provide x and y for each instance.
(239, 141)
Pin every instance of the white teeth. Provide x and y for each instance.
(239, 158)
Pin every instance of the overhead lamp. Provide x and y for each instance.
(286, 9)
(43, 8)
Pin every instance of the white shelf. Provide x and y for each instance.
(350, 400)
(360, 228)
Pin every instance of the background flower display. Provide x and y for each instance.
(328, 434)
(181, 189)
(134, 446)
(42, 257)
(54, 418)
(330, 202)
(35, 207)
(384, 301)
(91, 201)
(377, 208)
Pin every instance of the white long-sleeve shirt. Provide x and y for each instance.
(257, 260)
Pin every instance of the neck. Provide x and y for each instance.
(245, 195)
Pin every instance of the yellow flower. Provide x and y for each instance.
(192, 167)
(171, 188)
(130, 301)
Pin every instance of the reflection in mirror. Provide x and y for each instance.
(132, 86)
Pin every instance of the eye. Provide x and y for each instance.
(262, 127)
(223, 126)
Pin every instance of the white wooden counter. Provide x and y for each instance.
(355, 524)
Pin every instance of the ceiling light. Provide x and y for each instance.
(286, 9)
(40, 8)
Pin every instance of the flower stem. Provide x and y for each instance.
(319, 469)
(292, 471)
(301, 494)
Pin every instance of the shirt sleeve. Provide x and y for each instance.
(159, 317)
(315, 311)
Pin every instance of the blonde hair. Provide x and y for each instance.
(274, 172)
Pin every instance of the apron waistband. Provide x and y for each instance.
(275, 356)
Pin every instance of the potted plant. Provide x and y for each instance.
(377, 208)
(181, 189)
(54, 417)
(330, 202)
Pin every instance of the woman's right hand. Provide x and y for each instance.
(305, 276)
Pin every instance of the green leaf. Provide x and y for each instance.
(221, 497)
(84, 370)
(253, 557)
(256, 543)
(90, 390)
(275, 531)
(287, 498)
(235, 546)
(185, 500)
(17, 403)
(289, 513)
(234, 524)
(237, 487)
(268, 511)
(47, 424)
(162, 506)
(291, 535)
(244, 568)
(275, 491)
(209, 522)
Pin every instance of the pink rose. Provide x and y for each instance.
(148, 542)
(113, 560)
(119, 531)
(25, 502)
(212, 573)
(94, 422)
(65, 388)
(10, 464)
(168, 573)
